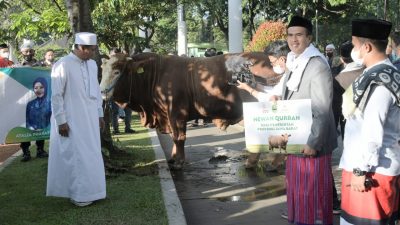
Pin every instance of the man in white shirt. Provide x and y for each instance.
(371, 154)
(76, 168)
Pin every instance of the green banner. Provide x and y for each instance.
(25, 112)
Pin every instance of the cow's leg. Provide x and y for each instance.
(178, 154)
(178, 137)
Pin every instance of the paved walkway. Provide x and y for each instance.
(214, 187)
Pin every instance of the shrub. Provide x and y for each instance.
(267, 32)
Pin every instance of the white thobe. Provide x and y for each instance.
(76, 168)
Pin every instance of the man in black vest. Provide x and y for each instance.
(371, 153)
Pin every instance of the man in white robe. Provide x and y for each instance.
(76, 168)
(371, 151)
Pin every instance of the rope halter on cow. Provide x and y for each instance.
(111, 86)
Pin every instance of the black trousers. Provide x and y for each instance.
(25, 145)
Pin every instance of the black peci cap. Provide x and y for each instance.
(298, 21)
(371, 28)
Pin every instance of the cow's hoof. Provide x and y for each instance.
(171, 161)
(176, 165)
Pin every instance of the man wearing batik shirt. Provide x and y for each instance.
(371, 154)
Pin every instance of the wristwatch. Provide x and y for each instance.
(358, 172)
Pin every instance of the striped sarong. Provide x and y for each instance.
(379, 205)
(309, 190)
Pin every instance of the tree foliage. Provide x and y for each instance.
(267, 32)
(117, 22)
(37, 20)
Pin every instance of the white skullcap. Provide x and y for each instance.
(330, 46)
(27, 44)
(85, 38)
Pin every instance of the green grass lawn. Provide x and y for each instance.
(133, 197)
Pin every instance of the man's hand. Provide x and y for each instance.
(102, 124)
(274, 98)
(308, 151)
(357, 183)
(244, 86)
(63, 130)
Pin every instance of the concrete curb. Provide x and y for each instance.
(10, 160)
(171, 200)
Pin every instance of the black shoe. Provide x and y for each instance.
(26, 158)
(129, 131)
(41, 154)
(336, 208)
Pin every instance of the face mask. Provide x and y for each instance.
(355, 56)
(394, 56)
(5, 55)
(28, 57)
(277, 69)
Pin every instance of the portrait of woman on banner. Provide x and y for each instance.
(38, 110)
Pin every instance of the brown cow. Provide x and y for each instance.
(168, 91)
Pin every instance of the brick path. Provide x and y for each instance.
(6, 151)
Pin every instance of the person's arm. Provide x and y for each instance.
(27, 117)
(260, 96)
(58, 85)
(100, 105)
(375, 115)
(321, 102)
(100, 110)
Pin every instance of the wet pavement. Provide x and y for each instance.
(215, 188)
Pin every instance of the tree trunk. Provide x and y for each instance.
(79, 16)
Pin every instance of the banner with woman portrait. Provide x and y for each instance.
(25, 104)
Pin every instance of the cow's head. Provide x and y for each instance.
(112, 71)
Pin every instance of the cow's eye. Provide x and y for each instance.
(116, 73)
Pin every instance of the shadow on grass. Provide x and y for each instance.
(132, 153)
(125, 161)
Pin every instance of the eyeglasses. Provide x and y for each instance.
(274, 62)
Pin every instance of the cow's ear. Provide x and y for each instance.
(104, 60)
